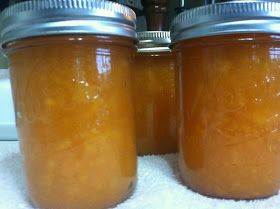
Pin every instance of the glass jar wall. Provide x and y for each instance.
(76, 138)
(154, 98)
(229, 144)
(73, 100)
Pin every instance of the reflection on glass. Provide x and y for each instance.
(103, 61)
(274, 53)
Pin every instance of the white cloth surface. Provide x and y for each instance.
(158, 187)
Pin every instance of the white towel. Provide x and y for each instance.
(158, 187)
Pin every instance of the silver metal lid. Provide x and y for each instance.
(153, 41)
(55, 17)
(255, 16)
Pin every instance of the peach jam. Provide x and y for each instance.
(229, 104)
(154, 94)
(72, 96)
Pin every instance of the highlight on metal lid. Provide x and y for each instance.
(153, 41)
(55, 17)
(239, 16)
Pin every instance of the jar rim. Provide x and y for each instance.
(59, 17)
(239, 16)
(153, 41)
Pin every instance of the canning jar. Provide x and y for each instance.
(70, 68)
(154, 94)
(229, 98)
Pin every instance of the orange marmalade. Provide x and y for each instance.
(230, 114)
(154, 97)
(75, 119)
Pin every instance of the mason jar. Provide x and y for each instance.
(70, 66)
(229, 98)
(154, 94)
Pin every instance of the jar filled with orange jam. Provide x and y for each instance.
(229, 98)
(70, 65)
(154, 94)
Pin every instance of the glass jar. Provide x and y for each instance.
(154, 94)
(73, 102)
(229, 99)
